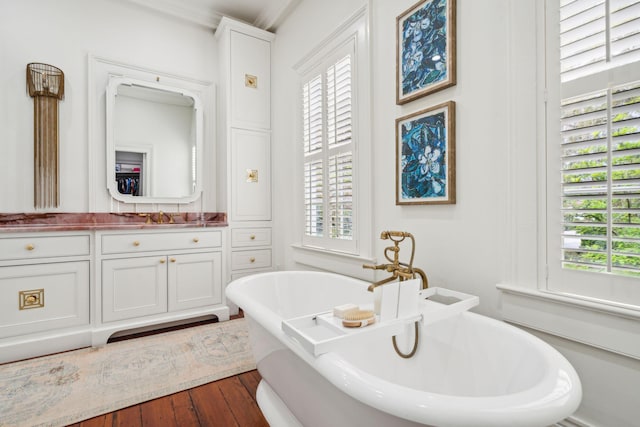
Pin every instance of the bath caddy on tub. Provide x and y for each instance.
(322, 332)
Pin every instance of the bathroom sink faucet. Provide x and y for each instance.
(161, 215)
(399, 270)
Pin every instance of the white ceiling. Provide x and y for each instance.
(265, 14)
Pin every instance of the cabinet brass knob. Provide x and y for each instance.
(196, 240)
(172, 259)
(252, 259)
(30, 247)
(162, 261)
(136, 243)
(252, 237)
(31, 299)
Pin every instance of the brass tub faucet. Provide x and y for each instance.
(399, 270)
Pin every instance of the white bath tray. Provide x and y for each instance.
(320, 333)
(440, 303)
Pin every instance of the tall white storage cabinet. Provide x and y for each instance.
(244, 131)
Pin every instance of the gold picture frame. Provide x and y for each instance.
(425, 49)
(426, 156)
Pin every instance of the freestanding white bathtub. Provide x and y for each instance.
(469, 370)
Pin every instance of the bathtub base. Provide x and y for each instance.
(273, 408)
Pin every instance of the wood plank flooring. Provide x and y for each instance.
(227, 403)
(230, 402)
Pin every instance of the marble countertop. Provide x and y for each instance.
(38, 222)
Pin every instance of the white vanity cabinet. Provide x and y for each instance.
(245, 152)
(141, 286)
(44, 293)
(157, 277)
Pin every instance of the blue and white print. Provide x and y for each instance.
(423, 157)
(424, 47)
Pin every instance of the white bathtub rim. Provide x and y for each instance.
(534, 404)
(542, 404)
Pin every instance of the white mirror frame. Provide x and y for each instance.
(112, 89)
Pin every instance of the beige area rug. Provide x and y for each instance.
(69, 387)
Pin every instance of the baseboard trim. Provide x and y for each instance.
(573, 422)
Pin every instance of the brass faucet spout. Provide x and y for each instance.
(374, 267)
(381, 282)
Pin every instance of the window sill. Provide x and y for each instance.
(337, 262)
(611, 328)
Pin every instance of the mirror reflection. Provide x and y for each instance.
(153, 142)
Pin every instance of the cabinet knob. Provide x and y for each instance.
(31, 299)
(136, 243)
(162, 261)
(252, 260)
(252, 237)
(30, 247)
(196, 240)
(172, 259)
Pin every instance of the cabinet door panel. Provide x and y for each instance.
(60, 289)
(250, 82)
(250, 196)
(133, 287)
(195, 280)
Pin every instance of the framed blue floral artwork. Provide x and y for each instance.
(425, 156)
(425, 49)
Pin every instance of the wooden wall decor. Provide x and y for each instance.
(46, 85)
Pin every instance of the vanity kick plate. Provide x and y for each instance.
(31, 299)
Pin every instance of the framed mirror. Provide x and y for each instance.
(153, 142)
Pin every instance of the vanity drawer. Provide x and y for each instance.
(145, 242)
(250, 237)
(43, 297)
(250, 259)
(31, 247)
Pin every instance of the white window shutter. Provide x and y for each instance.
(596, 35)
(327, 112)
(341, 195)
(600, 137)
(314, 198)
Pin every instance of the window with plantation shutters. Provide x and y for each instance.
(601, 180)
(327, 111)
(333, 202)
(598, 148)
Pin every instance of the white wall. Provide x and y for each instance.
(472, 228)
(469, 246)
(64, 33)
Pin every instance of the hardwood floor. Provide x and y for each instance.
(228, 402)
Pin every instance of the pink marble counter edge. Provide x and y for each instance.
(40, 222)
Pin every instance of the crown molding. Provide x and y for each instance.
(198, 13)
(274, 13)
(202, 12)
